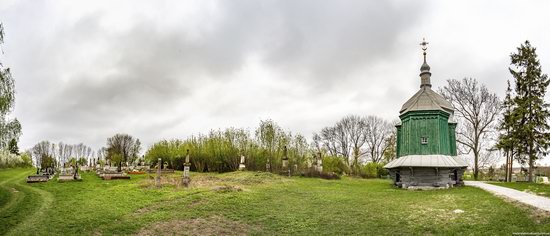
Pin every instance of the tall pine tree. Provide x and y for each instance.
(530, 110)
(506, 140)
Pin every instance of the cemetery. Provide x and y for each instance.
(201, 187)
(246, 200)
(274, 118)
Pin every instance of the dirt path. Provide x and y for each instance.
(539, 202)
(46, 200)
(13, 192)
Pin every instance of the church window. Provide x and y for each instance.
(424, 140)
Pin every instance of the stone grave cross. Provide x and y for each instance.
(186, 178)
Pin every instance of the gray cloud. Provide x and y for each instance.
(86, 70)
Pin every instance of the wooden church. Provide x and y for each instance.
(426, 140)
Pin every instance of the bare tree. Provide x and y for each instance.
(317, 143)
(101, 153)
(477, 110)
(328, 135)
(355, 128)
(43, 154)
(342, 141)
(122, 148)
(377, 131)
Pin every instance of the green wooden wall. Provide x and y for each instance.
(433, 125)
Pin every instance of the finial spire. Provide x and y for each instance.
(425, 68)
(424, 45)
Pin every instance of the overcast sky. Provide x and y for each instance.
(86, 70)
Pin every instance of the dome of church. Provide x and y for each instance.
(427, 100)
(425, 67)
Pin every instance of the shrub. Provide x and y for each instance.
(335, 164)
(323, 175)
(373, 170)
(10, 160)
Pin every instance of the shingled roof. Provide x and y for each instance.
(427, 100)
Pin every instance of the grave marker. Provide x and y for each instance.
(157, 179)
(186, 178)
(242, 166)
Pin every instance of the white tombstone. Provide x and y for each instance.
(186, 172)
(542, 179)
(241, 165)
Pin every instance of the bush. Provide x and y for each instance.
(323, 175)
(10, 160)
(335, 164)
(373, 170)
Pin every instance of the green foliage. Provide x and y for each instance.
(47, 161)
(82, 161)
(9, 128)
(529, 113)
(12, 146)
(335, 164)
(373, 170)
(10, 160)
(220, 150)
(291, 206)
(27, 159)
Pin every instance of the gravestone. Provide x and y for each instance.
(242, 166)
(286, 167)
(319, 166)
(69, 174)
(186, 178)
(157, 179)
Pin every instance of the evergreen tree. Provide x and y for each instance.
(530, 111)
(506, 139)
(12, 146)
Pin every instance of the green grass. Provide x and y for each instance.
(253, 203)
(539, 189)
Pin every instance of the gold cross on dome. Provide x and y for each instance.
(424, 44)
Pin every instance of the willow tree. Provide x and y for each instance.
(530, 110)
(268, 135)
(10, 129)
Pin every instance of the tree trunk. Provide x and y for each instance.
(530, 168)
(507, 167)
(476, 167)
(531, 158)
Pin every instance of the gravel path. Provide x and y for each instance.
(542, 203)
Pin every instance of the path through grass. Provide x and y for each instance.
(253, 203)
(539, 189)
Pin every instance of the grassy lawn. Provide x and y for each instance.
(539, 189)
(251, 203)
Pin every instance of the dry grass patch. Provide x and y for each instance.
(213, 225)
(215, 181)
(159, 205)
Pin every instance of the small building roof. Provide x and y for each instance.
(426, 161)
(427, 100)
